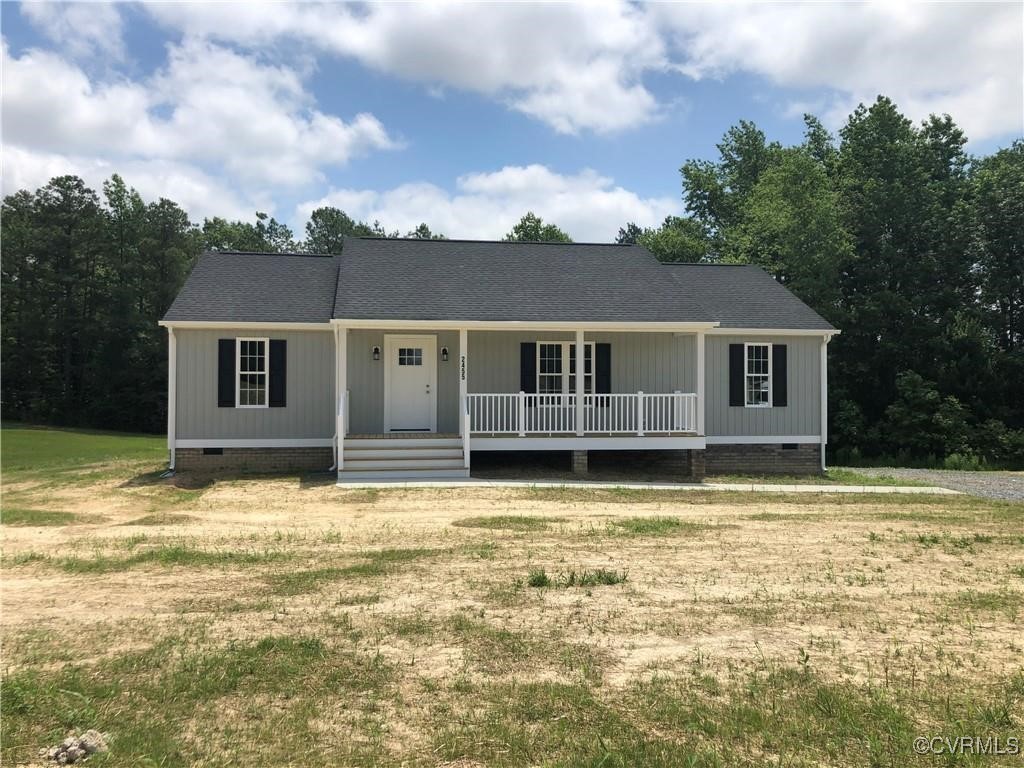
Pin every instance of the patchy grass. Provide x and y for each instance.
(509, 522)
(147, 701)
(657, 526)
(378, 563)
(162, 518)
(36, 517)
(299, 623)
(169, 556)
(834, 476)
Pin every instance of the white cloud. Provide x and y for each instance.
(220, 112)
(195, 191)
(588, 206)
(574, 66)
(79, 28)
(581, 66)
(964, 59)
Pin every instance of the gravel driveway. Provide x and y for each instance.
(993, 485)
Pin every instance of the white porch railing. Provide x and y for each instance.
(636, 413)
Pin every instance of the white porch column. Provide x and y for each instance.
(580, 379)
(340, 400)
(700, 382)
(172, 393)
(463, 380)
(824, 398)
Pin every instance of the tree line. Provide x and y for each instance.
(891, 231)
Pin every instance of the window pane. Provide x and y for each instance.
(550, 360)
(549, 384)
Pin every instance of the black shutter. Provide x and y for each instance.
(225, 373)
(779, 391)
(528, 367)
(736, 364)
(602, 369)
(278, 372)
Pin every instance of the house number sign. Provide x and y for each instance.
(462, 367)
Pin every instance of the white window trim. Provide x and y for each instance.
(238, 371)
(565, 374)
(747, 375)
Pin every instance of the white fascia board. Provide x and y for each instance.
(761, 439)
(719, 331)
(515, 325)
(258, 442)
(217, 324)
(571, 443)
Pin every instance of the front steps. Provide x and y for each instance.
(402, 458)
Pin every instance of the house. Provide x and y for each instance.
(404, 358)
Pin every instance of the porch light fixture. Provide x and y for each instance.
(444, 354)
(376, 353)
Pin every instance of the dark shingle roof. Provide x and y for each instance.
(399, 279)
(486, 280)
(742, 296)
(258, 288)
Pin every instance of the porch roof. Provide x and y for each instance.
(472, 280)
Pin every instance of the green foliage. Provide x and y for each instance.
(422, 232)
(914, 249)
(531, 228)
(328, 227)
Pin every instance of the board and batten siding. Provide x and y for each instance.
(366, 380)
(802, 415)
(648, 362)
(310, 383)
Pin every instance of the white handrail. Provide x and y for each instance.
(640, 413)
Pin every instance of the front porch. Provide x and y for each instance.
(418, 401)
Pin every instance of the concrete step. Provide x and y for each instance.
(402, 453)
(397, 475)
(403, 442)
(428, 463)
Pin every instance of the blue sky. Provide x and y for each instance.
(465, 116)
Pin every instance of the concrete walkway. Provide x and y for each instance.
(763, 487)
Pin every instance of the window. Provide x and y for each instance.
(758, 375)
(410, 356)
(556, 367)
(252, 373)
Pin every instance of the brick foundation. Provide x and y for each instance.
(681, 465)
(805, 459)
(255, 460)
(580, 462)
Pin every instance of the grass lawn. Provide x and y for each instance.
(283, 621)
(27, 450)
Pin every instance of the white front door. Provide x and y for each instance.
(410, 383)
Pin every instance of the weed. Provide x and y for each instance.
(538, 578)
(573, 578)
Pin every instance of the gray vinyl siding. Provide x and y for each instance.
(802, 416)
(310, 382)
(648, 362)
(366, 380)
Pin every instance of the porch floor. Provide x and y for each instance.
(404, 436)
